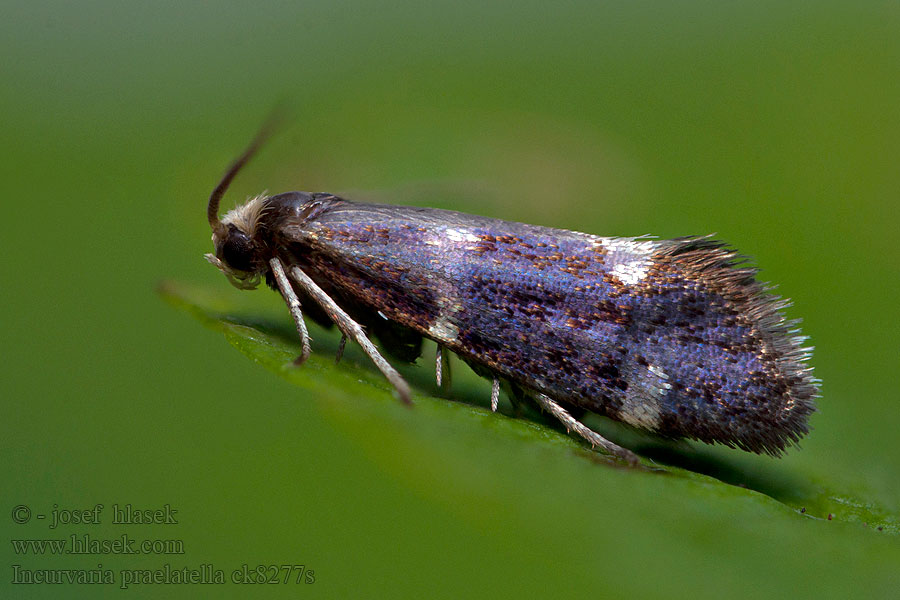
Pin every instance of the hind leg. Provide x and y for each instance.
(573, 424)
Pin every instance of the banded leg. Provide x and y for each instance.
(442, 369)
(495, 394)
(293, 302)
(352, 330)
(573, 424)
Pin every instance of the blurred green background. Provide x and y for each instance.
(774, 124)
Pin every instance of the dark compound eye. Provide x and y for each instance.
(237, 250)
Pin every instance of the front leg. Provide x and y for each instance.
(293, 302)
(352, 330)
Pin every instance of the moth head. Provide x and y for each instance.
(237, 255)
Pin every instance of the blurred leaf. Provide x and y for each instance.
(355, 396)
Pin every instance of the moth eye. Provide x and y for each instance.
(237, 251)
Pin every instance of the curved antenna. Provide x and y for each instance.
(212, 210)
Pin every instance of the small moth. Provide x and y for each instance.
(675, 337)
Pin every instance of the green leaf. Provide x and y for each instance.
(357, 397)
(703, 515)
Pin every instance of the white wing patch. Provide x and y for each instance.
(643, 400)
(629, 259)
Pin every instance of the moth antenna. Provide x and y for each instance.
(212, 210)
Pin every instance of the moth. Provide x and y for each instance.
(675, 337)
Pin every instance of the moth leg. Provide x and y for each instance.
(341, 346)
(352, 330)
(442, 369)
(495, 394)
(581, 429)
(287, 292)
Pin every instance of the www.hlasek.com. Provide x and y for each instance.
(85, 543)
